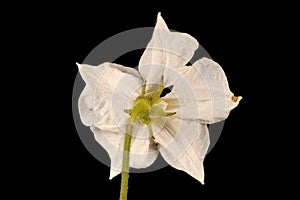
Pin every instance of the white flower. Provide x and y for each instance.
(200, 96)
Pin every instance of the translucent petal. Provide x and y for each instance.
(166, 49)
(184, 145)
(202, 93)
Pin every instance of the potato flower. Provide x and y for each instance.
(133, 122)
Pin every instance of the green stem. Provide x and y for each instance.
(144, 88)
(150, 130)
(125, 166)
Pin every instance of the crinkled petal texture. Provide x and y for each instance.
(165, 52)
(109, 90)
(201, 94)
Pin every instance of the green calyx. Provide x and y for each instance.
(146, 106)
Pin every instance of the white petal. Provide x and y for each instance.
(184, 145)
(105, 83)
(111, 88)
(111, 138)
(142, 152)
(202, 93)
(166, 49)
(90, 73)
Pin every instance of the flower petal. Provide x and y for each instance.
(111, 88)
(102, 82)
(184, 145)
(165, 49)
(202, 93)
(143, 151)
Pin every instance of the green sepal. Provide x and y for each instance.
(157, 111)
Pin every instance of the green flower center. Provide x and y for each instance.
(146, 106)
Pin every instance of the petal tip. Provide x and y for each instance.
(159, 14)
(160, 22)
(159, 17)
(200, 178)
(236, 99)
(240, 98)
(235, 102)
(113, 173)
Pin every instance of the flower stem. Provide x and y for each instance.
(150, 130)
(125, 166)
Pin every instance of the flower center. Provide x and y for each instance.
(147, 106)
(141, 109)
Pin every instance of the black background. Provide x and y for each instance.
(56, 164)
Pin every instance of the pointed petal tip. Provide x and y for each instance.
(160, 22)
(235, 102)
(236, 99)
(239, 98)
(159, 17)
(199, 178)
(80, 67)
(113, 173)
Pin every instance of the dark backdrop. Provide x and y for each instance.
(57, 164)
